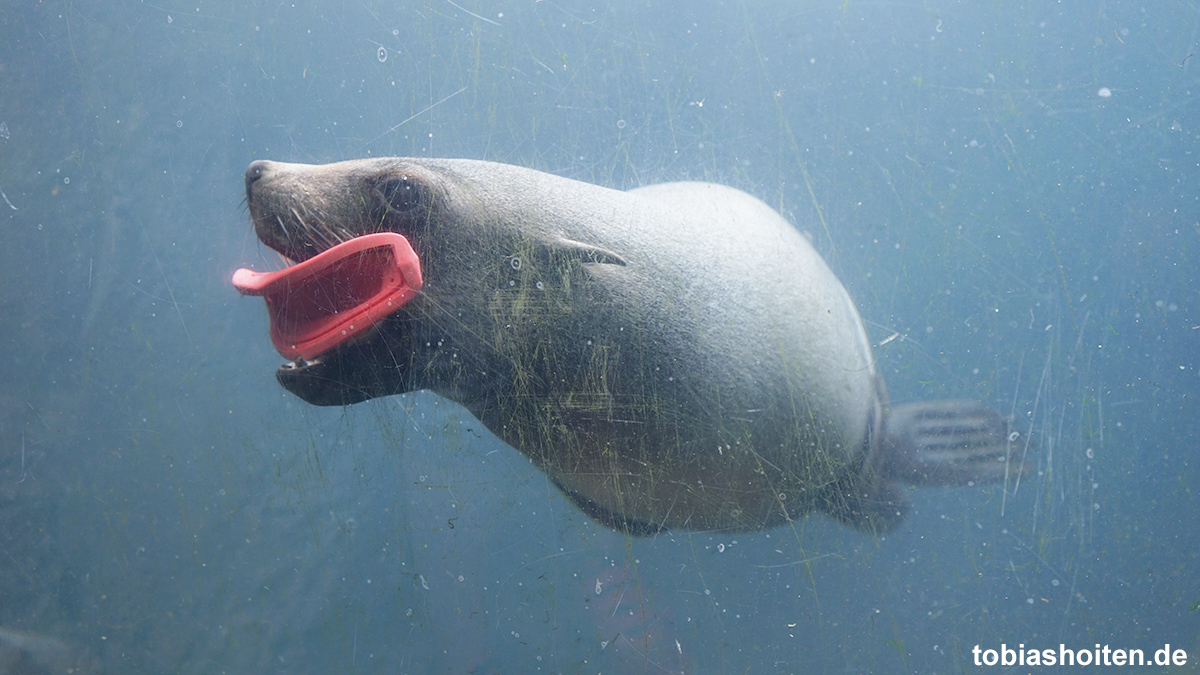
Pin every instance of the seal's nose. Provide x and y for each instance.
(256, 170)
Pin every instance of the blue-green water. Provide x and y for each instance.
(1010, 191)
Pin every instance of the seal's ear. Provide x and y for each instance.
(587, 253)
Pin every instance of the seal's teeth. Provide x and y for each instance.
(299, 364)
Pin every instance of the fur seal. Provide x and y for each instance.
(673, 356)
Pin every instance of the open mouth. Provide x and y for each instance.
(328, 299)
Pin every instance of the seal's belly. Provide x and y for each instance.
(720, 380)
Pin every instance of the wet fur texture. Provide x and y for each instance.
(676, 356)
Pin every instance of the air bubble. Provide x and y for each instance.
(381, 54)
(1089, 453)
(620, 124)
(515, 262)
(1013, 436)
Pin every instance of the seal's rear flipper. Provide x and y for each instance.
(949, 443)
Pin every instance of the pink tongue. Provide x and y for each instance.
(322, 302)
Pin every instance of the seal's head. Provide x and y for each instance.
(478, 245)
(301, 210)
(306, 213)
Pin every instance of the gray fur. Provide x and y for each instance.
(675, 356)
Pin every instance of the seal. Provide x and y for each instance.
(673, 356)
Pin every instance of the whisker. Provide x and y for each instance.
(318, 234)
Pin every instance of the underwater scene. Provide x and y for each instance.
(544, 336)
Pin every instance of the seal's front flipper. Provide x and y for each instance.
(949, 443)
(588, 253)
(608, 518)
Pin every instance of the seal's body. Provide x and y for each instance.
(675, 356)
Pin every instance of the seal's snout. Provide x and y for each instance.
(256, 170)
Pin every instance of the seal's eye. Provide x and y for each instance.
(401, 194)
